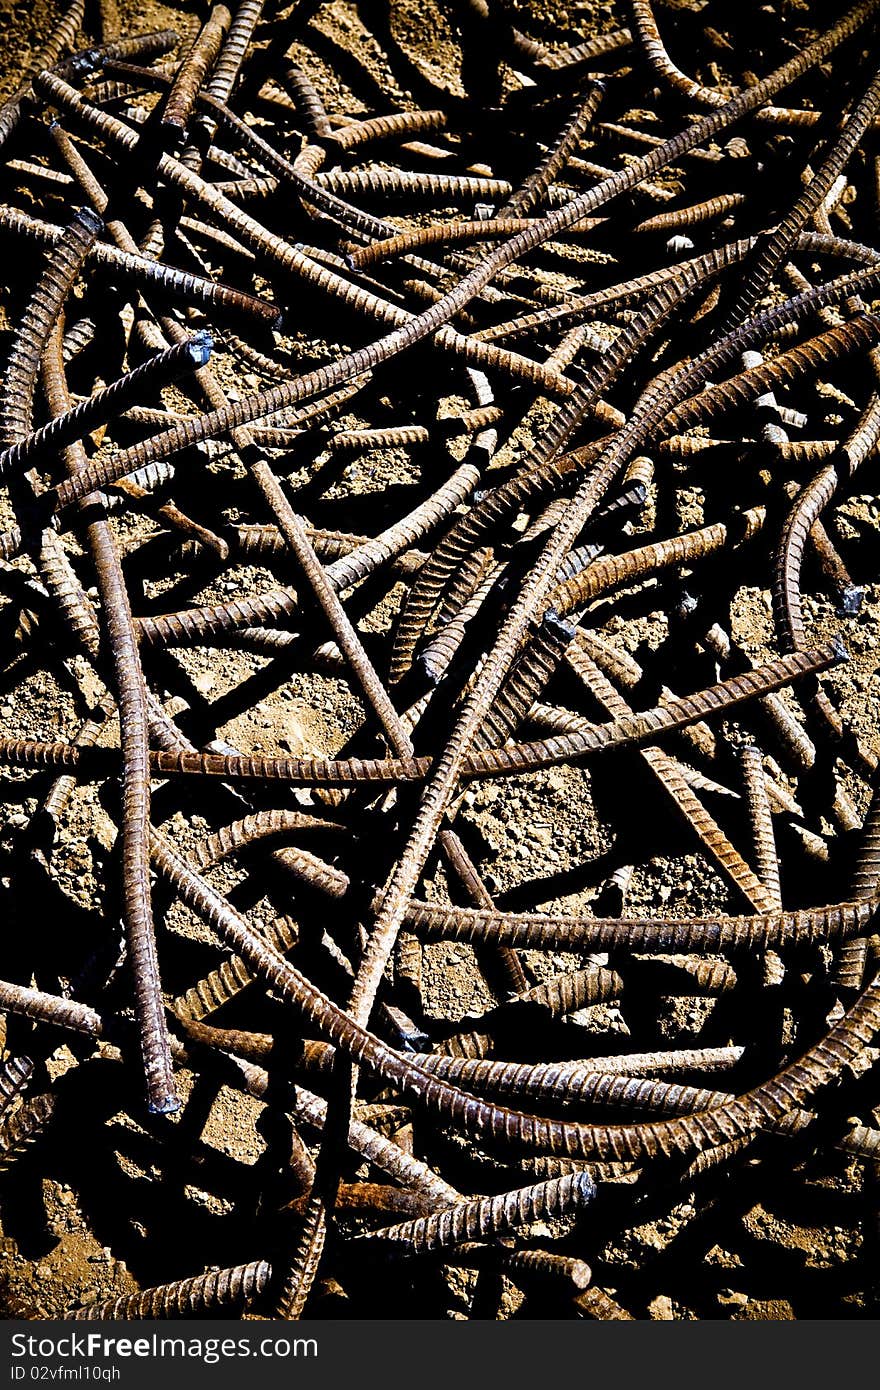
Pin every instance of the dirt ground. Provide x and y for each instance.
(110, 1200)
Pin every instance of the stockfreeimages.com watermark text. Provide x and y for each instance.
(31, 1353)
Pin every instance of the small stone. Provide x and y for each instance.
(204, 682)
(660, 1308)
(733, 1298)
(677, 245)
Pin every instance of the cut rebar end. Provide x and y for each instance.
(585, 1187)
(414, 1040)
(88, 218)
(557, 626)
(168, 1105)
(687, 604)
(87, 62)
(852, 596)
(430, 668)
(201, 345)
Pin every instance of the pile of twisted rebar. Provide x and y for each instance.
(524, 427)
